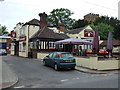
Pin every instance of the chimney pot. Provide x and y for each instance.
(43, 21)
(62, 27)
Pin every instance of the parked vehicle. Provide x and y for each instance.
(60, 60)
(3, 52)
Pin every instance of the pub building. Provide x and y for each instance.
(34, 37)
(43, 40)
(20, 37)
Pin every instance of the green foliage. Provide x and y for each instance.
(61, 16)
(104, 23)
(114, 22)
(80, 23)
(3, 30)
(104, 29)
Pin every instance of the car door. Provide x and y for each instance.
(48, 59)
(53, 60)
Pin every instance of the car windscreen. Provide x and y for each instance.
(2, 50)
(66, 55)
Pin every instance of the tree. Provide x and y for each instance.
(114, 22)
(3, 30)
(104, 29)
(80, 23)
(61, 16)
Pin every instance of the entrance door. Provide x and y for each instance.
(17, 48)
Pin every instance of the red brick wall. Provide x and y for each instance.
(8, 45)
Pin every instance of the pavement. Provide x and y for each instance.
(92, 71)
(8, 77)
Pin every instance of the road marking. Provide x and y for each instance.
(64, 80)
(20, 87)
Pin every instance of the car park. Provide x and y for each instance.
(60, 60)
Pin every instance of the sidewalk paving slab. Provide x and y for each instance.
(9, 78)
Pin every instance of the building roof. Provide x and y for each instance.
(46, 33)
(74, 31)
(33, 22)
(115, 43)
(91, 14)
(77, 30)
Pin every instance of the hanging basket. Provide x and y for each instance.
(24, 43)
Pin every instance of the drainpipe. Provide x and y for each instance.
(28, 39)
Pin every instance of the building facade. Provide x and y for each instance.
(85, 33)
(23, 32)
(5, 42)
(35, 35)
(91, 18)
(43, 40)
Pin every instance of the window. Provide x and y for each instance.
(20, 31)
(12, 46)
(31, 44)
(66, 55)
(55, 55)
(61, 46)
(50, 55)
(51, 45)
(23, 31)
(22, 46)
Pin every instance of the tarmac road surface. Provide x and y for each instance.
(32, 74)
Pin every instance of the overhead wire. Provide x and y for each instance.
(98, 5)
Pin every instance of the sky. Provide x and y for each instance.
(15, 11)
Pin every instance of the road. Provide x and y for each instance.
(32, 74)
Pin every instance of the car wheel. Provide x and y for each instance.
(56, 67)
(44, 63)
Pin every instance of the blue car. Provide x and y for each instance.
(60, 60)
(3, 52)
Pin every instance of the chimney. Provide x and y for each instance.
(62, 28)
(43, 21)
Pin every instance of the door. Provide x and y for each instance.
(17, 48)
(53, 59)
(48, 60)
